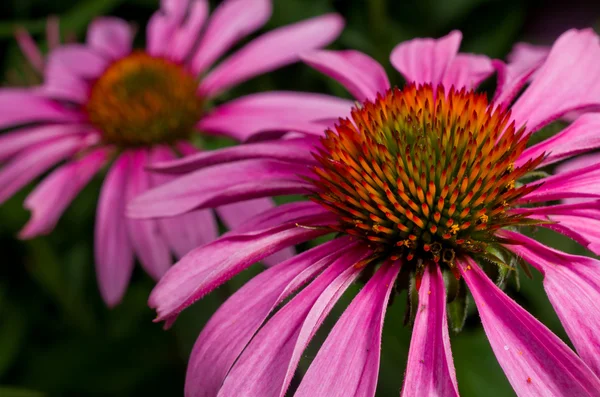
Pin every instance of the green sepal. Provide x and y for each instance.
(412, 302)
(457, 308)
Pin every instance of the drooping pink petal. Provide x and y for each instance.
(236, 214)
(145, 235)
(430, 368)
(78, 59)
(290, 150)
(52, 196)
(467, 70)
(573, 287)
(523, 62)
(220, 185)
(535, 361)
(272, 50)
(223, 340)
(581, 136)
(30, 49)
(558, 87)
(188, 231)
(110, 36)
(33, 162)
(348, 362)
(268, 363)
(207, 267)
(274, 111)
(578, 183)
(426, 60)
(113, 250)
(23, 106)
(230, 22)
(14, 142)
(187, 34)
(360, 74)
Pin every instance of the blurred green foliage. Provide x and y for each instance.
(56, 336)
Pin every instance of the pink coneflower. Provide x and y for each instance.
(426, 189)
(103, 102)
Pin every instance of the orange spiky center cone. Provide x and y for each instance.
(142, 100)
(422, 175)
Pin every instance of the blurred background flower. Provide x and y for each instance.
(56, 336)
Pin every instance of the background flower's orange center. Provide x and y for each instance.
(143, 100)
(423, 176)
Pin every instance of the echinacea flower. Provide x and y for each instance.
(103, 102)
(426, 188)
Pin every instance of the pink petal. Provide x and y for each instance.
(23, 106)
(426, 60)
(524, 61)
(348, 362)
(584, 226)
(579, 137)
(430, 369)
(158, 33)
(78, 59)
(467, 70)
(535, 361)
(268, 363)
(578, 163)
(278, 215)
(569, 80)
(223, 340)
(272, 50)
(14, 142)
(573, 287)
(62, 84)
(163, 25)
(525, 53)
(53, 195)
(230, 22)
(236, 214)
(145, 236)
(360, 74)
(176, 9)
(33, 162)
(274, 111)
(578, 183)
(110, 36)
(187, 34)
(207, 267)
(289, 150)
(30, 49)
(114, 253)
(580, 221)
(219, 185)
(188, 231)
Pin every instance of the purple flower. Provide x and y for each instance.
(426, 189)
(103, 101)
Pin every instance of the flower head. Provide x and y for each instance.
(425, 188)
(103, 102)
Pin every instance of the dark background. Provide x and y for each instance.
(56, 336)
